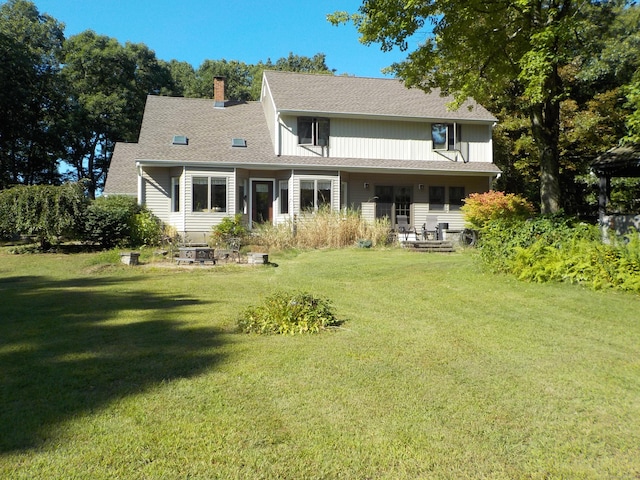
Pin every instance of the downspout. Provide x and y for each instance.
(183, 194)
(140, 180)
(278, 135)
(493, 179)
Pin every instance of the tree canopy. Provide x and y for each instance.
(30, 96)
(67, 101)
(519, 56)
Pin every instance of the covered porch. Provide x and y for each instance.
(617, 162)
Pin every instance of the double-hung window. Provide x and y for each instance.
(315, 194)
(284, 196)
(445, 136)
(313, 131)
(209, 194)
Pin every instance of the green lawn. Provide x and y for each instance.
(440, 370)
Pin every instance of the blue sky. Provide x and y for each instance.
(244, 30)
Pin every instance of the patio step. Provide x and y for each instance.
(430, 246)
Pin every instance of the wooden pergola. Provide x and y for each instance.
(617, 162)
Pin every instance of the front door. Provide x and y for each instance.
(262, 201)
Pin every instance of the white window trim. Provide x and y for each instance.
(210, 208)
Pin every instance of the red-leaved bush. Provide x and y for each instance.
(479, 208)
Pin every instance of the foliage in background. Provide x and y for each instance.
(550, 71)
(288, 314)
(556, 248)
(68, 101)
(323, 229)
(480, 208)
(107, 84)
(633, 101)
(46, 212)
(31, 97)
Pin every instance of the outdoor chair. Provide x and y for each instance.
(430, 228)
(403, 227)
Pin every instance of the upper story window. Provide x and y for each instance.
(313, 131)
(445, 136)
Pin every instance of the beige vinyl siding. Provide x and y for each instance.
(157, 191)
(478, 139)
(359, 197)
(380, 139)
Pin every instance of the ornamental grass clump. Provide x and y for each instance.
(288, 314)
(324, 228)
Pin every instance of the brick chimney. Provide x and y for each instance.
(218, 92)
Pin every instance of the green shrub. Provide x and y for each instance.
(108, 220)
(288, 313)
(480, 208)
(228, 228)
(502, 239)
(146, 229)
(45, 212)
(554, 248)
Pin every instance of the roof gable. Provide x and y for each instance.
(375, 97)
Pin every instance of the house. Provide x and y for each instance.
(312, 141)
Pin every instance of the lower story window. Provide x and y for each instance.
(315, 194)
(456, 197)
(436, 198)
(284, 196)
(209, 194)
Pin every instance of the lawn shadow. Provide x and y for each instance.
(70, 347)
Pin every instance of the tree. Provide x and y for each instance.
(292, 63)
(107, 85)
(633, 101)
(30, 95)
(237, 80)
(490, 50)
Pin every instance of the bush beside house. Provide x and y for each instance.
(551, 248)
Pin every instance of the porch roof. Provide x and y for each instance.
(618, 162)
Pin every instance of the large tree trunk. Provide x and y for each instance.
(545, 121)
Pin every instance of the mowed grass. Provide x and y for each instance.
(439, 371)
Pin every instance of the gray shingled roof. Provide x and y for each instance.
(303, 92)
(209, 131)
(122, 178)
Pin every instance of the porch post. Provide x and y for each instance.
(603, 196)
